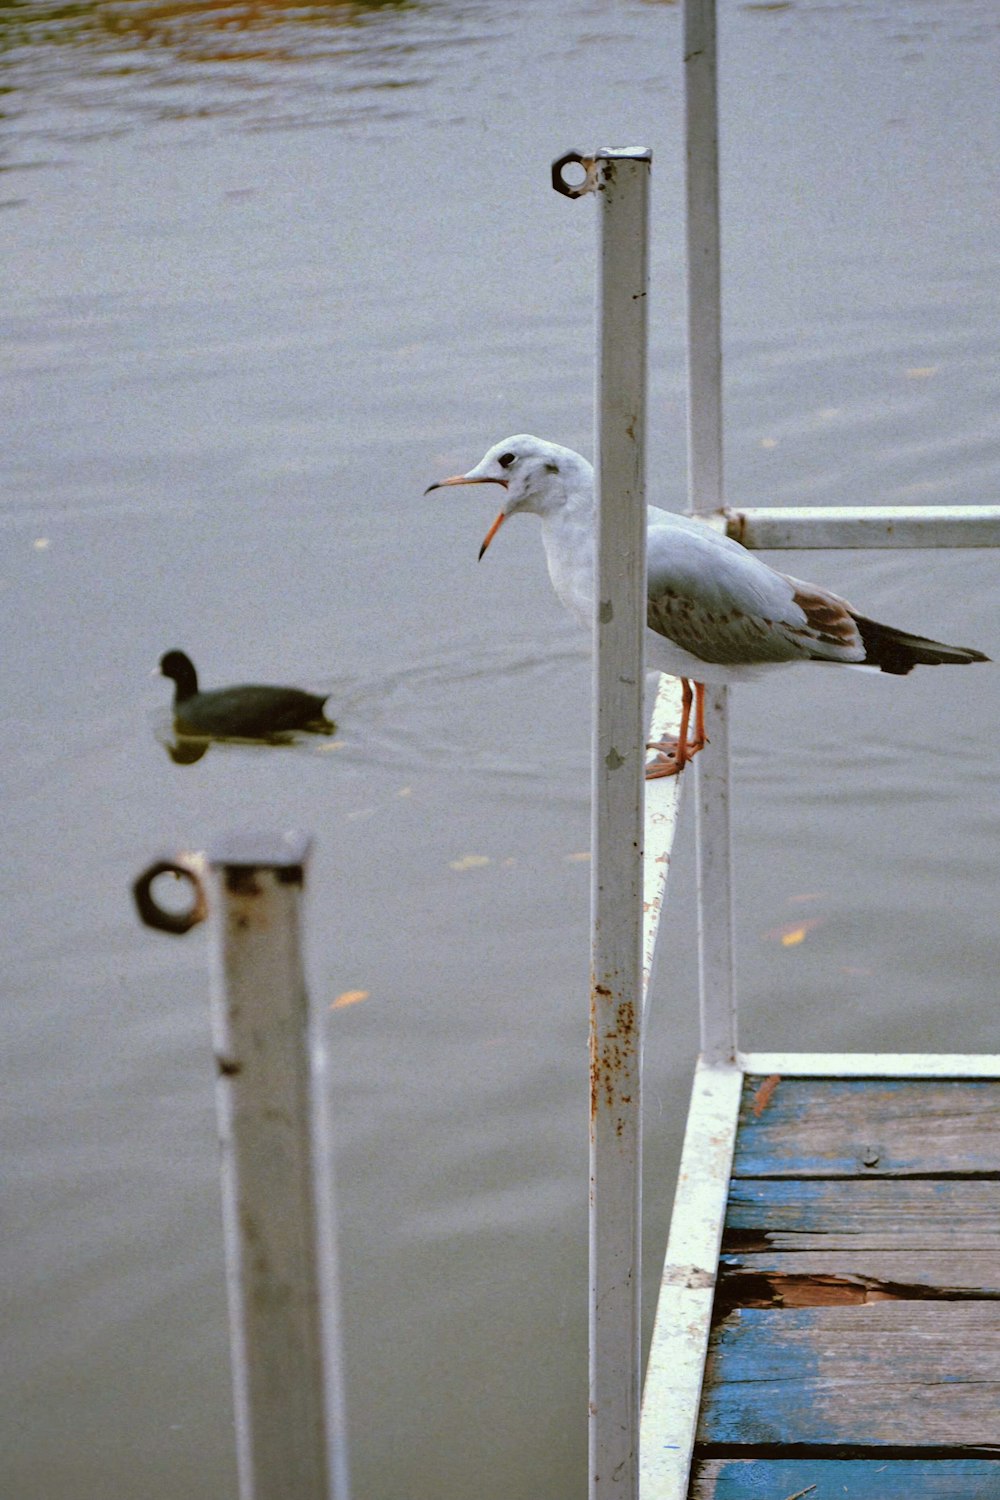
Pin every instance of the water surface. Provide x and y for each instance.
(271, 270)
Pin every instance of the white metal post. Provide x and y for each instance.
(617, 825)
(715, 927)
(281, 1272)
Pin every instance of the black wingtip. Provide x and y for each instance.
(896, 652)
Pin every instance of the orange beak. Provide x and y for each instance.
(479, 479)
(491, 534)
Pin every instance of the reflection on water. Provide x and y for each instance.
(132, 61)
(186, 749)
(202, 30)
(184, 752)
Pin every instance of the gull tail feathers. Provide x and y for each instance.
(897, 652)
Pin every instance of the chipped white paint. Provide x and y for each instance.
(617, 826)
(683, 1314)
(872, 1064)
(277, 1211)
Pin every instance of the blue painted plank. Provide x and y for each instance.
(903, 1375)
(869, 1127)
(862, 1214)
(846, 1479)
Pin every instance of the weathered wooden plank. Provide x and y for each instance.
(873, 1214)
(816, 1278)
(868, 1127)
(846, 1479)
(890, 1374)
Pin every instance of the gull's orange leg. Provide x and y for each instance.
(700, 737)
(672, 755)
(675, 754)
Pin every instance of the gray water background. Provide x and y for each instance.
(268, 272)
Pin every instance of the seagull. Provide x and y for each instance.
(245, 711)
(715, 612)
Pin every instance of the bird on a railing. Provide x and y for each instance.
(244, 711)
(715, 612)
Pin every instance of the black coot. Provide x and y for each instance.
(246, 711)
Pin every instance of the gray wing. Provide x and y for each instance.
(722, 604)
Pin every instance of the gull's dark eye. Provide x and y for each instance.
(506, 459)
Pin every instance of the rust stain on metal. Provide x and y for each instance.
(736, 525)
(241, 880)
(612, 1052)
(764, 1094)
(228, 1067)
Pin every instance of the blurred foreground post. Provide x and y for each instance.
(276, 1161)
(277, 1198)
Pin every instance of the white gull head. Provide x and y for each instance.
(538, 477)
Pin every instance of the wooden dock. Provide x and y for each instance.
(855, 1337)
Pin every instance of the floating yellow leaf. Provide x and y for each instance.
(469, 862)
(349, 997)
(793, 933)
(40, 543)
(405, 791)
(582, 857)
(921, 372)
(769, 442)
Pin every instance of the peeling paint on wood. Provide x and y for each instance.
(850, 1127)
(893, 1374)
(881, 1214)
(815, 1278)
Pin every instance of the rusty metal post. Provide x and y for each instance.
(620, 180)
(617, 827)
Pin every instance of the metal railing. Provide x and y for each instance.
(619, 977)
